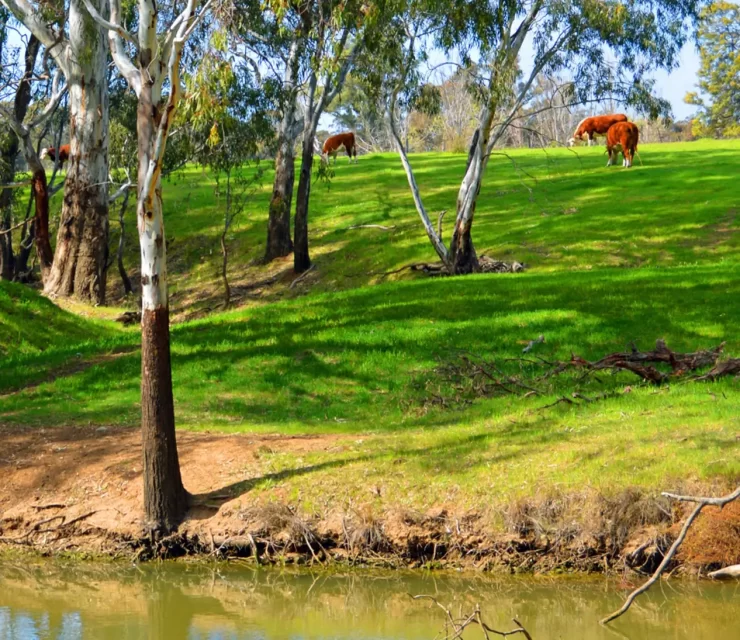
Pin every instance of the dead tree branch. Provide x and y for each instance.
(701, 502)
(371, 226)
(454, 627)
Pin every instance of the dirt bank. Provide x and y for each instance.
(79, 489)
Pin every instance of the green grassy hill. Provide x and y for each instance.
(31, 324)
(554, 210)
(614, 256)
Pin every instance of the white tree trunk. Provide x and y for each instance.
(82, 239)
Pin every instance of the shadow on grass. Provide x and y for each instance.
(349, 361)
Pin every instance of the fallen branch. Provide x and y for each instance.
(371, 226)
(701, 503)
(727, 573)
(729, 367)
(473, 377)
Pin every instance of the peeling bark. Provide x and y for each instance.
(279, 243)
(82, 240)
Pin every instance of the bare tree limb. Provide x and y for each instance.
(57, 45)
(371, 226)
(112, 26)
(459, 625)
(701, 503)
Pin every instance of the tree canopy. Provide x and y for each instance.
(719, 74)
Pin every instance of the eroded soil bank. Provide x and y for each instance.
(79, 490)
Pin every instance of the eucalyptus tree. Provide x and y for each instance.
(718, 98)
(273, 36)
(71, 38)
(604, 48)
(150, 61)
(339, 31)
(227, 112)
(23, 120)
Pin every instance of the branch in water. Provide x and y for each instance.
(701, 503)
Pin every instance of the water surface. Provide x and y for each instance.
(178, 602)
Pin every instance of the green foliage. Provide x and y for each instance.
(719, 73)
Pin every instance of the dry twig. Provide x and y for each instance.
(302, 276)
(371, 226)
(458, 625)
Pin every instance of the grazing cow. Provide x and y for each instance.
(595, 125)
(334, 143)
(51, 152)
(622, 136)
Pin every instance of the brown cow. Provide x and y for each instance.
(595, 125)
(334, 143)
(622, 136)
(51, 152)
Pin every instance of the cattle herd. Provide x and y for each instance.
(621, 135)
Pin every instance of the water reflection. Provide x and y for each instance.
(181, 602)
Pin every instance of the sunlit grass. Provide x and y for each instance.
(614, 256)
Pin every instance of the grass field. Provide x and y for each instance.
(614, 256)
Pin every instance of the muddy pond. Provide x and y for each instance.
(178, 601)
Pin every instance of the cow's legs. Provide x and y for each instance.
(609, 161)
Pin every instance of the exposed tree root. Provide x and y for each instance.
(584, 532)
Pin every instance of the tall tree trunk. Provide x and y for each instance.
(165, 498)
(121, 241)
(462, 252)
(8, 153)
(462, 256)
(301, 259)
(9, 146)
(41, 223)
(279, 243)
(82, 240)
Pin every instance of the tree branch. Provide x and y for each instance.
(28, 16)
(56, 97)
(112, 26)
(701, 503)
